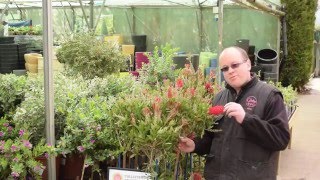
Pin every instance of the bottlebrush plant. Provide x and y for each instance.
(150, 122)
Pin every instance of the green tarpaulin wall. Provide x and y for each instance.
(183, 27)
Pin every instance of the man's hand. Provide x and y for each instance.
(186, 145)
(235, 110)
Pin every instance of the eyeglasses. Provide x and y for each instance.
(232, 66)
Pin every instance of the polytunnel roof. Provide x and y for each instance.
(57, 3)
(65, 3)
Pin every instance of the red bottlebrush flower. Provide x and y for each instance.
(192, 92)
(215, 110)
(207, 85)
(146, 111)
(212, 74)
(179, 83)
(157, 100)
(170, 93)
(156, 105)
(196, 176)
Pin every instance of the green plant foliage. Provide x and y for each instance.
(18, 155)
(160, 66)
(300, 16)
(290, 95)
(31, 114)
(88, 131)
(89, 56)
(12, 90)
(68, 93)
(26, 30)
(150, 122)
(112, 85)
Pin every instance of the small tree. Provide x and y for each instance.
(300, 16)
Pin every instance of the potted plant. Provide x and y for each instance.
(88, 137)
(18, 155)
(72, 94)
(150, 122)
(31, 113)
(89, 133)
(26, 30)
(290, 97)
(12, 90)
(160, 66)
(90, 57)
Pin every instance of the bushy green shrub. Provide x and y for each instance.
(89, 56)
(300, 16)
(160, 66)
(12, 90)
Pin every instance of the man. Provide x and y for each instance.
(254, 126)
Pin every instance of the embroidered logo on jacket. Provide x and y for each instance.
(251, 102)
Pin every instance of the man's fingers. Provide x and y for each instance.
(183, 139)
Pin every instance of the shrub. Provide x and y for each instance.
(90, 57)
(300, 22)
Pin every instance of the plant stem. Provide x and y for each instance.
(83, 167)
(176, 165)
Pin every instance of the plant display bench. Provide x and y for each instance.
(291, 123)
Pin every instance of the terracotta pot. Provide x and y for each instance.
(72, 168)
(43, 160)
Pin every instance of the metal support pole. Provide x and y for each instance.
(261, 4)
(4, 10)
(220, 33)
(84, 14)
(278, 46)
(91, 15)
(220, 26)
(48, 83)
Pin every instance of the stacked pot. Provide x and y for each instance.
(32, 62)
(267, 60)
(11, 55)
(56, 65)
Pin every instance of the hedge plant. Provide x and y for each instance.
(300, 16)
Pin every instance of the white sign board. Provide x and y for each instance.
(127, 174)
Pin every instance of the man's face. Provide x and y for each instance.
(236, 69)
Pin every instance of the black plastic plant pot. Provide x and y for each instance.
(271, 68)
(180, 61)
(267, 56)
(140, 42)
(243, 43)
(6, 40)
(195, 61)
(8, 46)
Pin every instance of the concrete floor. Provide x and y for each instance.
(302, 161)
